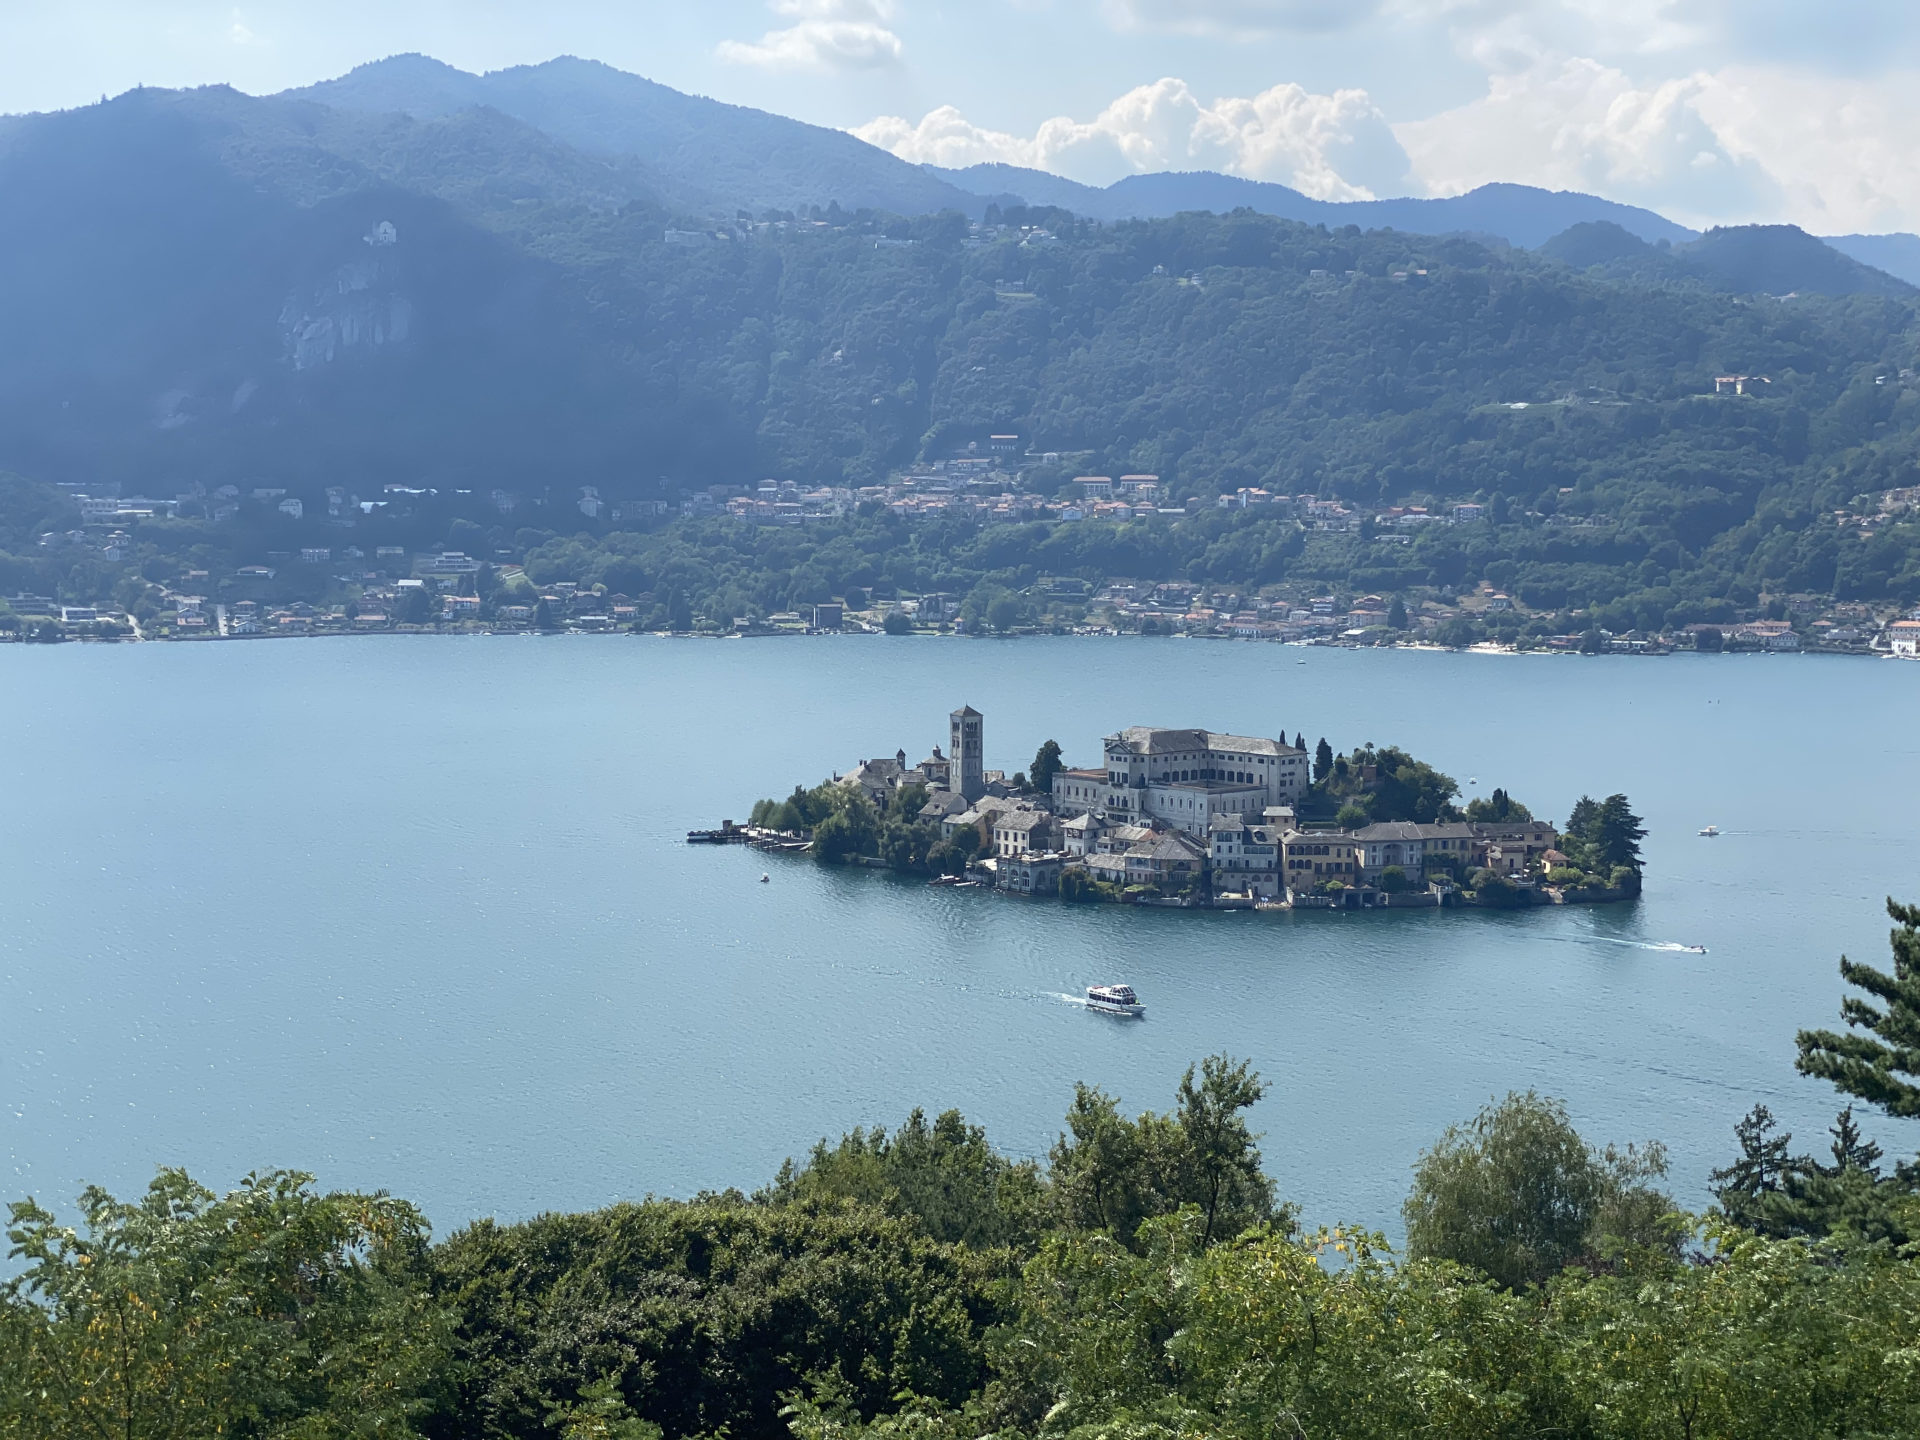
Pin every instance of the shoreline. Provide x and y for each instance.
(1372, 901)
(1482, 648)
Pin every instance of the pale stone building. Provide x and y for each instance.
(1184, 778)
(968, 775)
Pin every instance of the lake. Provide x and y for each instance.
(416, 913)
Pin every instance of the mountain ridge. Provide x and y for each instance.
(708, 155)
(725, 156)
(1521, 215)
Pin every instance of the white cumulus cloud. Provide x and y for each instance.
(1333, 147)
(824, 35)
(1730, 145)
(1241, 17)
(1709, 111)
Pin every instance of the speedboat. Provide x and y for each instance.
(1711, 831)
(1115, 1000)
(1696, 949)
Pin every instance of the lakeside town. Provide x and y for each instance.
(1193, 818)
(325, 581)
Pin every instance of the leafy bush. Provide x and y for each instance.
(1518, 1195)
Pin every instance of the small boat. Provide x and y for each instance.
(1711, 831)
(1115, 1000)
(1696, 949)
(765, 878)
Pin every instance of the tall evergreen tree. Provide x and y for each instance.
(1299, 740)
(1580, 820)
(1046, 764)
(1617, 833)
(1322, 760)
(1851, 1149)
(1765, 1166)
(1882, 1065)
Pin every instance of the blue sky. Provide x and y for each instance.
(1709, 110)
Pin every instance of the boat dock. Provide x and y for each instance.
(732, 834)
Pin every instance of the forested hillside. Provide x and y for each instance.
(203, 289)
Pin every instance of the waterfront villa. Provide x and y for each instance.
(1184, 778)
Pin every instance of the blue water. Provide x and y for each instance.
(416, 914)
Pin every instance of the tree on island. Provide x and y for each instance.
(1322, 760)
(852, 829)
(1604, 837)
(1498, 807)
(1046, 764)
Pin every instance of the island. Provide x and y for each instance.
(1191, 819)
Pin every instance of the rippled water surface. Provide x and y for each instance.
(415, 913)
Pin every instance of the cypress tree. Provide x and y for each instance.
(1876, 1066)
(1322, 760)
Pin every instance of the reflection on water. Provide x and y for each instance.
(416, 914)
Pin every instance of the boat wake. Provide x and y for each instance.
(1665, 947)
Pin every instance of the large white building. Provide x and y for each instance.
(1183, 777)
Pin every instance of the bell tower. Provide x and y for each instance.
(968, 776)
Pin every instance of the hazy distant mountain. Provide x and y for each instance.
(201, 287)
(1896, 254)
(1035, 187)
(214, 286)
(1595, 242)
(707, 154)
(1519, 214)
(1782, 260)
(1743, 259)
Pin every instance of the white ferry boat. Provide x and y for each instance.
(1711, 831)
(1115, 1000)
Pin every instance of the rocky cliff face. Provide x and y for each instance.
(361, 305)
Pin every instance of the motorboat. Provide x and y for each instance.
(1115, 1000)
(1696, 949)
(1711, 831)
(764, 879)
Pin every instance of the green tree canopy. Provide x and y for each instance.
(1112, 1173)
(1878, 1059)
(1518, 1195)
(943, 1174)
(1046, 764)
(272, 1310)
